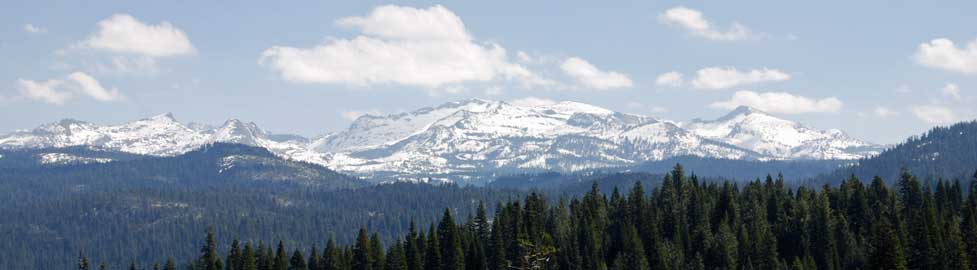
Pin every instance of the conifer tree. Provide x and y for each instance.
(281, 258)
(376, 253)
(361, 252)
(234, 256)
(331, 259)
(208, 252)
(248, 259)
(297, 262)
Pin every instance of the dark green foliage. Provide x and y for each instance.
(685, 224)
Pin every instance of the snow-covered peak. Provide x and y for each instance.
(780, 138)
(577, 107)
(236, 131)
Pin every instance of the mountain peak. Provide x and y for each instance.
(163, 117)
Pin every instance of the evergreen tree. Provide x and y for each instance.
(376, 253)
(208, 252)
(396, 259)
(297, 262)
(361, 252)
(234, 258)
(82, 261)
(281, 259)
(248, 259)
(331, 257)
(452, 256)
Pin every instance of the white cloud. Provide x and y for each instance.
(124, 33)
(59, 91)
(590, 76)
(727, 77)
(780, 102)
(670, 79)
(532, 102)
(399, 45)
(952, 90)
(46, 91)
(352, 115)
(692, 20)
(934, 114)
(91, 87)
(943, 54)
(30, 28)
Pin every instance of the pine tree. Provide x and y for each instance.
(281, 259)
(82, 261)
(132, 265)
(452, 256)
(315, 261)
(248, 259)
(331, 258)
(361, 252)
(432, 255)
(395, 258)
(376, 252)
(412, 252)
(234, 256)
(297, 262)
(208, 252)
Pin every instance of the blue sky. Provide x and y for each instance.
(880, 70)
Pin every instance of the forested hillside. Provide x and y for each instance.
(943, 152)
(683, 224)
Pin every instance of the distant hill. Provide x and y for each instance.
(943, 152)
(78, 169)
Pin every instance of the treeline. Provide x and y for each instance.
(681, 224)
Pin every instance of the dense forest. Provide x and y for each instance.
(947, 152)
(681, 224)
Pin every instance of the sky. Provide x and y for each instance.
(879, 70)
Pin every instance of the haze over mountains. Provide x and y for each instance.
(471, 138)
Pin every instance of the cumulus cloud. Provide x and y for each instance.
(670, 79)
(126, 34)
(352, 115)
(532, 102)
(46, 91)
(91, 87)
(952, 90)
(696, 24)
(59, 91)
(30, 28)
(943, 54)
(780, 102)
(934, 114)
(399, 45)
(590, 76)
(726, 77)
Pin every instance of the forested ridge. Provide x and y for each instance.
(682, 224)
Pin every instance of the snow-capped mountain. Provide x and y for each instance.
(472, 138)
(475, 136)
(159, 135)
(781, 139)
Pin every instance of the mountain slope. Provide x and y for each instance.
(219, 164)
(947, 152)
(781, 139)
(159, 135)
(471, 140)
(486, 137)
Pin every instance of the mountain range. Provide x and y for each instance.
(470, 140)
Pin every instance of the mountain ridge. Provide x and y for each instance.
(468, 139)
